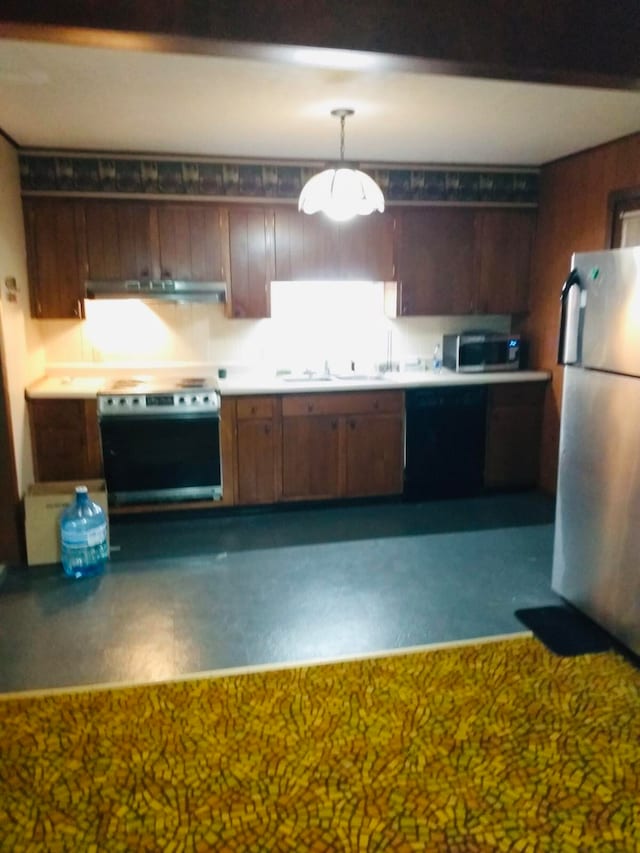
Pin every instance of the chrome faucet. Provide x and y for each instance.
(327, 371)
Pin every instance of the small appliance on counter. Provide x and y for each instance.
(480, 351)
(161, 439)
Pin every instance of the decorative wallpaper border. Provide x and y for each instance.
(211, 179)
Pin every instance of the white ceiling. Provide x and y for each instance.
(87, 98)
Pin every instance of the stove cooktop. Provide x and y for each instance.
(159, 385)
(159, 395)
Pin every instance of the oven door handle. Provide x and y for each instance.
(154, 417)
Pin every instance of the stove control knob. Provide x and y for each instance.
(123, 402)
(205, 399)
(136, 401)
(194, 399)
(181, 400)
(110, 401)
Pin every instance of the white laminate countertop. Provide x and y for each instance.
(86, 388)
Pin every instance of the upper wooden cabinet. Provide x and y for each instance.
(56, 257)
(121, 240)
(193, 242)
(252, 261)
(504, 242)
(434, 260)
(315, 247)
(463, 261)
(139, 240)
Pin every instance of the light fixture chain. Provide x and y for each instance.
(342, 118)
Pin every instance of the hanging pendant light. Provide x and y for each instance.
(341, 192)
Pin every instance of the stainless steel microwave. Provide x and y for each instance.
(476, 352)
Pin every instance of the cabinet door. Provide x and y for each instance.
(65, 439)
(194, 242)
(306, 247)
(365, 248)
(374, 455)
(314, 247)
(56, 257)
(504, 242)
(258, 448)
(121, 240)
(310, 457)
(514, 424)
(252, 261)
(434, 260)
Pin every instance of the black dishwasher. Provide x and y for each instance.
(445, 442)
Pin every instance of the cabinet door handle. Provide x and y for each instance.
(144, 273)
(253, 410)
(267, 429)
(376, 404)
(77, 311)
(165, 273)
(310, 407)
(352, 424)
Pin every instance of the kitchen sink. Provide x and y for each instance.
(306, 378)
(358, 377)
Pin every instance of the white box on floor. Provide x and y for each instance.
(43, 505)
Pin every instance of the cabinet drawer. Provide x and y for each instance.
(254, 407)
(351, 403)
(517, 394)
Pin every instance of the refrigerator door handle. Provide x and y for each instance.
(570, 304)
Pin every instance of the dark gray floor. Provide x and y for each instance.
(186, 594)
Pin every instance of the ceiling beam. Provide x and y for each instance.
(574, 42)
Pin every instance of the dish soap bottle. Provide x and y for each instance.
(436, 362)
(83, 536)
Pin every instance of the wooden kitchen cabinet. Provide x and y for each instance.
(374, 455)
(504, 243)
(454, 260)
(258, 448)
(514, 426)
(65, 439)
(142, 240)
(311, 444)
(252, 261)
(338, 445)
(56, 257)
(434, 261)
(193, 242)
(122, 240)
(315, 247)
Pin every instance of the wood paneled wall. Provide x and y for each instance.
(573, 216)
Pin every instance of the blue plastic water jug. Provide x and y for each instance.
(83, 536)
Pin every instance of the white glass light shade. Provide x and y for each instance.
(341, 194)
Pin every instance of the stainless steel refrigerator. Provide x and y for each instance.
(596, 557)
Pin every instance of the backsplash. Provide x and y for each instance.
(340, 322)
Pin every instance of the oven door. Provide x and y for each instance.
(162, 457)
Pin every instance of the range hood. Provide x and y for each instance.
(158, 290)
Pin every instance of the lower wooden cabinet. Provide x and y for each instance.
(65, 439)
(374, 455)
(514, 425)
(258, 441)
(342, 445)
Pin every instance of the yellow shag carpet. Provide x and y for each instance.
(483, 747)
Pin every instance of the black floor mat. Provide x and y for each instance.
(565, 631)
